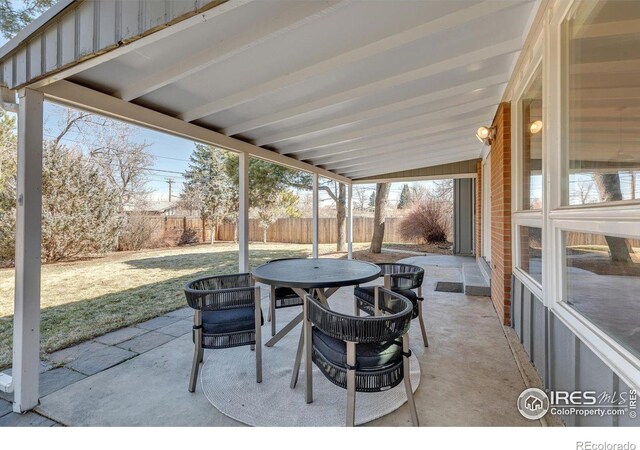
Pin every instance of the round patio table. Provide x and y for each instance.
(316, 273)
(324, 277)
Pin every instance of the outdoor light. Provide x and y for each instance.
(485, 134)
(535, 127)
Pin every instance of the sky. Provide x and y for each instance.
(170, 157)
(170, 153)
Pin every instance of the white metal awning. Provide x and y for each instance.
(355, 89)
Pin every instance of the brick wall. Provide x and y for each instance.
(478, 237)
(501, 213)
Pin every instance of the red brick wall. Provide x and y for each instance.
(478, 221)
(501, 213)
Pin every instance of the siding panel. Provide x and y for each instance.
(539, 329)
(516, 320)
(593, 375)
(563, 359)
(527, 322)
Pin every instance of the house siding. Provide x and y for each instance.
(562, 360)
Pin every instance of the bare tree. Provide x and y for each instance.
(443, 190)
(609, 189)
(419, 192)
(380, 217)
(124, 161)
(583, 191)
(338, 194)
(360, 198)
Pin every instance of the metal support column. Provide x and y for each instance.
(26, 329)
(350, 222)
(316, 214)
(243, 213)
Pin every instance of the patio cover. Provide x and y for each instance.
(355, 89)
(345, 90)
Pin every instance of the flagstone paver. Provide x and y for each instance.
(29, 419)
(158, 322)
(58, 378)
(178, 328)
(90, 363)
(145, 342)
(121, 335)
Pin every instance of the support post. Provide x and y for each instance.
(243, 213)
(316, 213)
(350, 222)
(26, 329)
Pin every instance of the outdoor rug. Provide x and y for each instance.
(228, 381)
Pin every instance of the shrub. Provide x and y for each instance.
(140, 232)
(188, 236)
(426, 221)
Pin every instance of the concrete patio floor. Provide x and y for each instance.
(138, 376)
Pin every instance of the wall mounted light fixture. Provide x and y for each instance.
(535, 127)
(486, 135)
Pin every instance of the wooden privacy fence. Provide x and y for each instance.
(289, 230)
(300, 231)
(580, 239)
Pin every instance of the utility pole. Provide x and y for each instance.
(170, 182)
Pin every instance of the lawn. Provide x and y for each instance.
(84, 299)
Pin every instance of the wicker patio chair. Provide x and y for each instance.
(227, 314)
(361, 354)
(401, 278)
(281, 297)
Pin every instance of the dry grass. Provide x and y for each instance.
(84, 299)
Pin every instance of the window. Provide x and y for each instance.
(531, 252)
(602, 85)
(602, 283)
(531, 128)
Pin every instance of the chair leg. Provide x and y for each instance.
(198, 351)
(272, 310)
(298, 361)
(196, 365)
(423, 329)
(351, 384)
(308, 376)
(258, 327)
(407, 381)
(410, 399)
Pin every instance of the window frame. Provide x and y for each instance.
(520, 216)
(518, 132)
(615, 218)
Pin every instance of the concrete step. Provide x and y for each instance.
(473, 281)
(485, 269)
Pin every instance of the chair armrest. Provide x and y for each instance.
(218, 299)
